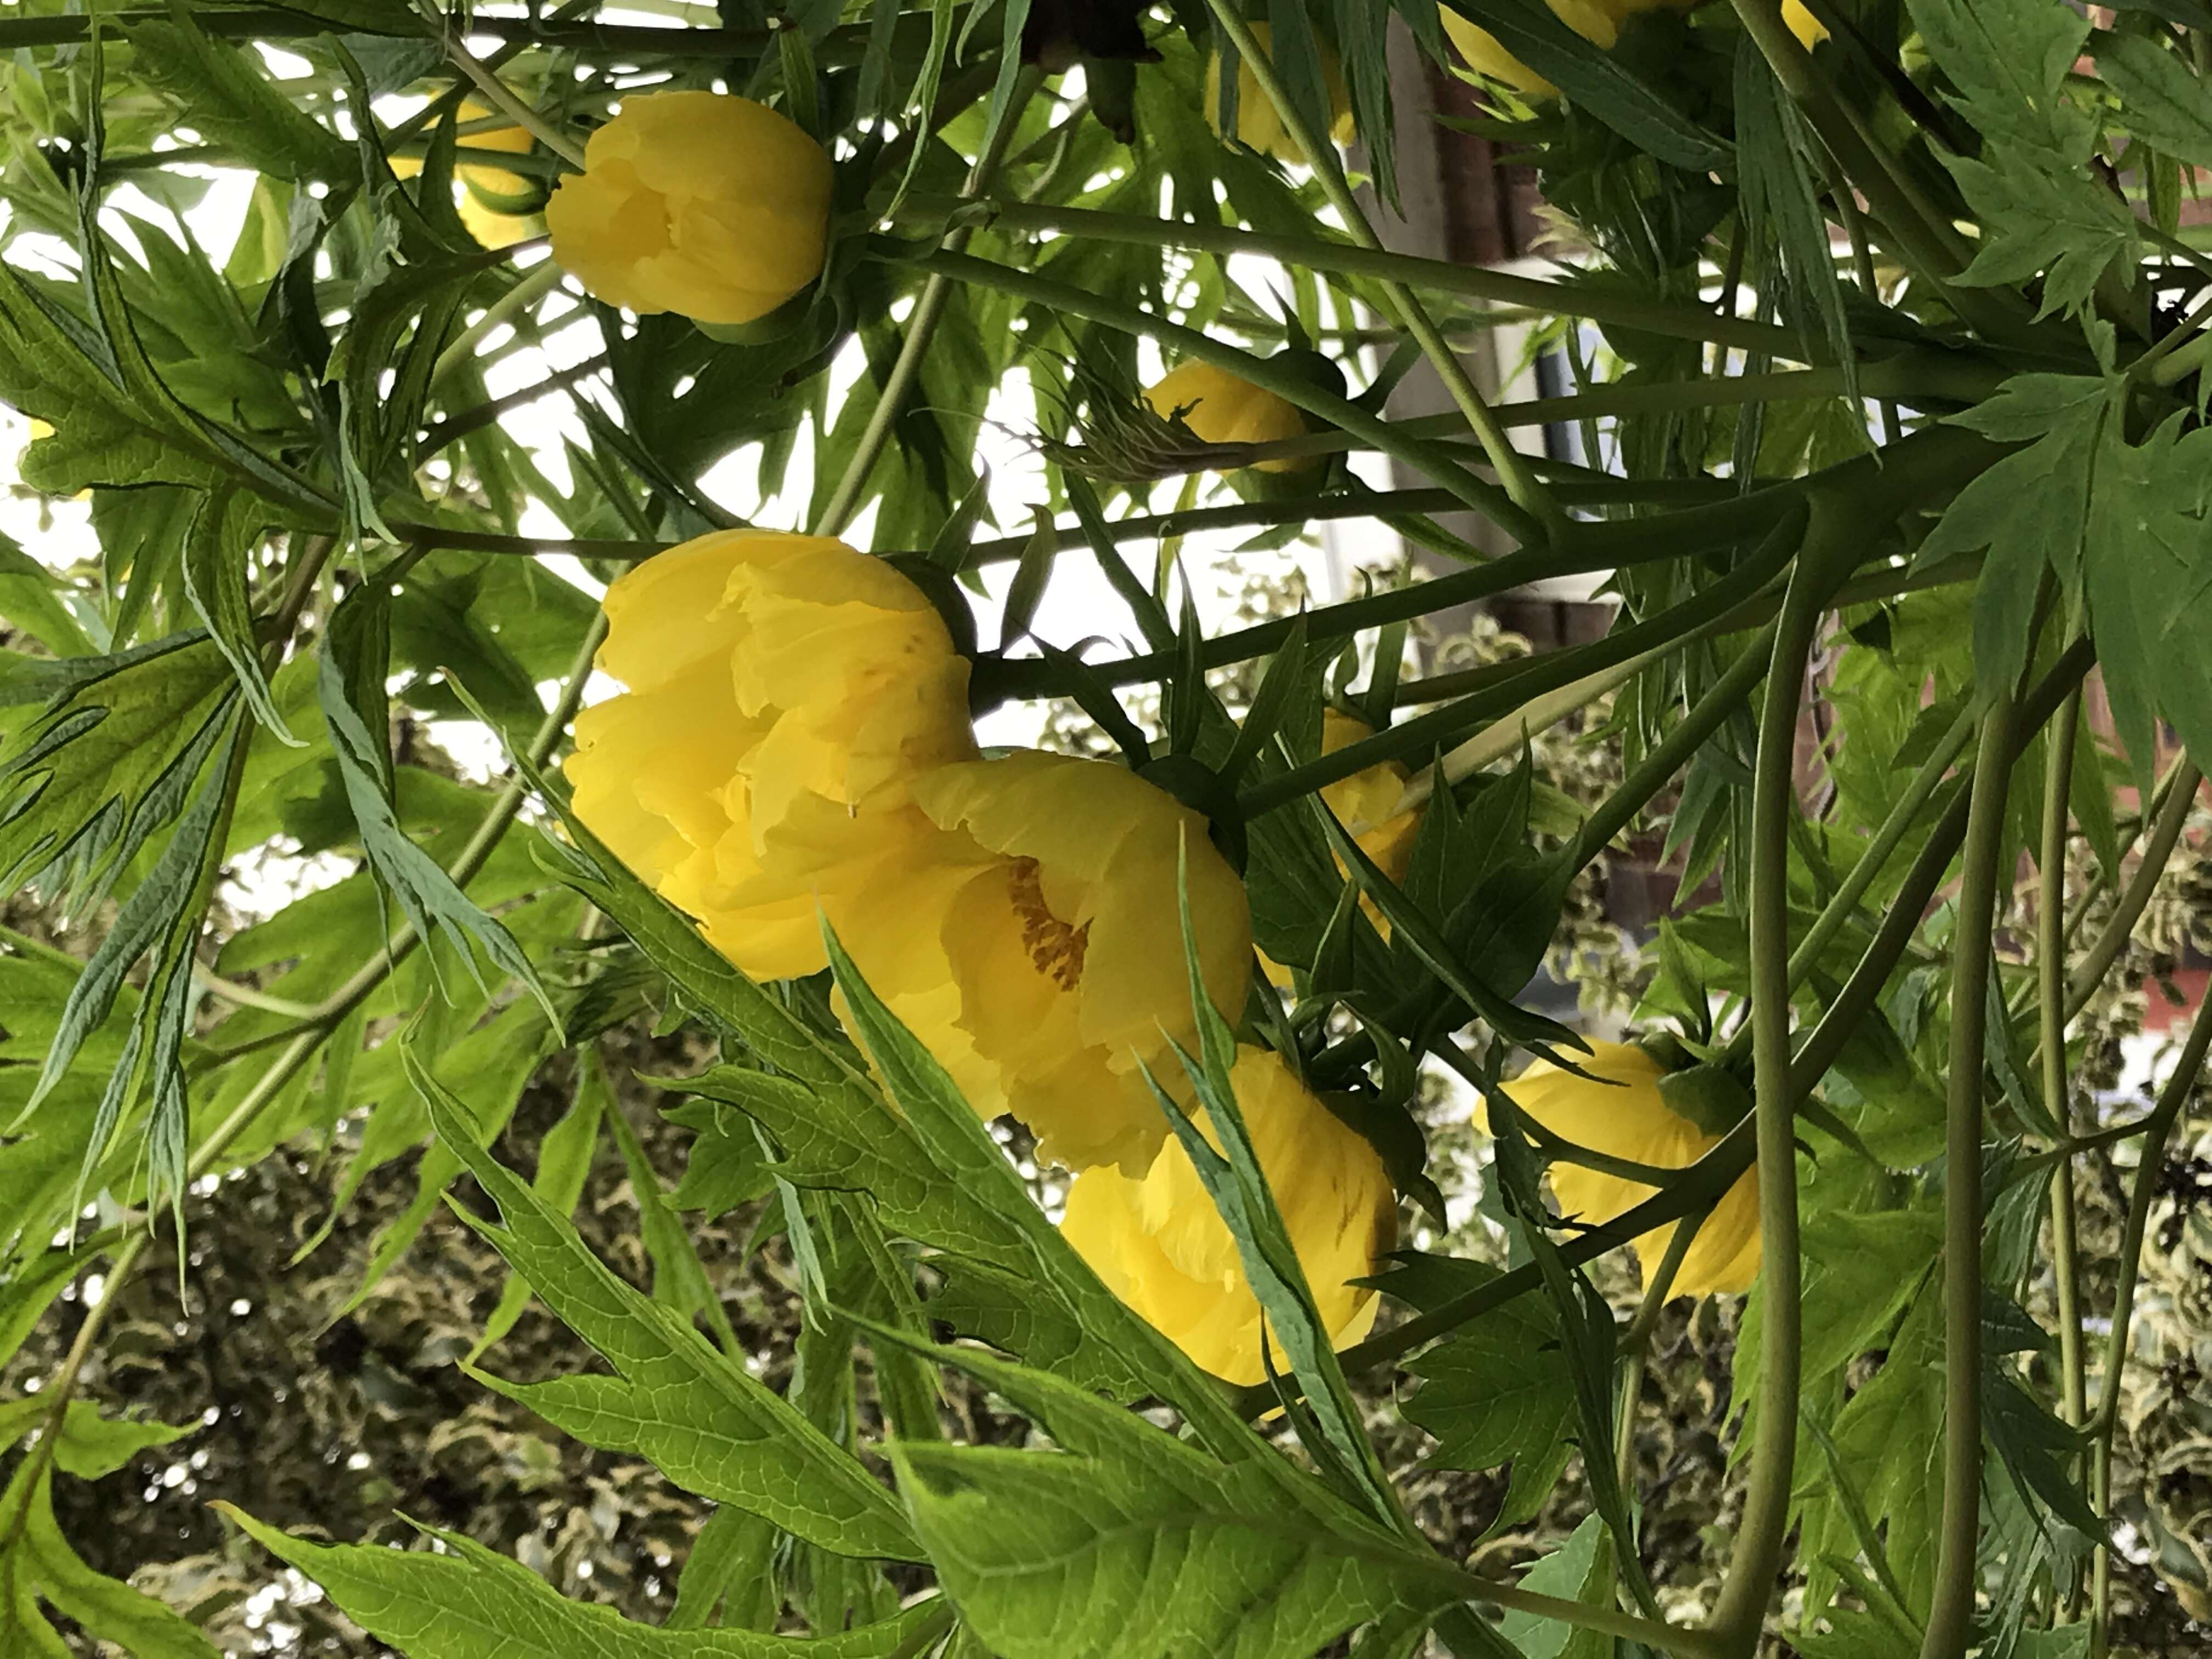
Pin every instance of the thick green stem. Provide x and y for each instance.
(1614, 307)
(1832, 545)
(1512, 467)
(2050, 1014)
(530, 287)
(1269, 375)
(920, 328)
(1008, 677)
(1902, 916)
(1951, 1617)
(2157, 1128)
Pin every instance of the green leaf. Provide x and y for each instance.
(1001, 1224)
(92, 1446)
(2040, 204)
(100, 761)
(679, 1279)
(1035, 1546)
(1570, 1572)
(2149, 569)
(227, 96)
(216, 551)
(351, 691)
(37, 1564)
(1775, 157)
(466, 1602)
(1497, 1392)
(702, 1420)
(564, 1160)
(2031, 509)
(2161, 102)
(28, 602)
(1598, 83)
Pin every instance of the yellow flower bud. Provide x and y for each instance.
(1627, 1116)
(1159, 1243)
(1059, 921)
(1220, 409)
(1258, 126)
(784, 692)
(1365, 803)
(714, 207)
(1597, 22)
(479, 190)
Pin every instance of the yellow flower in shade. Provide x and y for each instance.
(1627, 1116)
(1597, 22)
(1809, 30)
(784, 692)
(1220, 409)
(1365, 803)
(1160, 1245)
(1258, 126)
(712, 206)
(499, 207)
(1053, 899)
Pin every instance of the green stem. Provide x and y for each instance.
(1416, 738)
(1843, 905)
(1950, 1618)
(1673, 751)
(1908, 907)
(921, 326)
(1832, 545)
(2050, 1000)
(2158, 1127)
(1615, 308)
(2158, 847)
(1010, 678)
(1939, 375)
(1269, 375)
(529, 288)
(501, 96)
(459, 424)
(1512, 467)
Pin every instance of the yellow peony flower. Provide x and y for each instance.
(1597, 22)
(486, 197)
(714, 207)
(784, 692)
(1160, 1245)
(1627, 1116)
(1258, 126)
(1364, 804)
(1220, 409)
(1054, 905)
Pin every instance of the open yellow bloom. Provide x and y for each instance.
(1365, 803)
(1220, 409)
(1597, 22)
(499, 207)
(1258, 126)
(1053, 901)
(1626, 1116)
(784, 693)
(712, 206)
(1160, 1245)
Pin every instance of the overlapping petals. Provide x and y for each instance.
(1627, 1116)
(708, 205)
(1159, 1243)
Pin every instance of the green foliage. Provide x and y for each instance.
(1914, 298)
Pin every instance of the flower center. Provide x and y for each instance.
(1056, 948)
